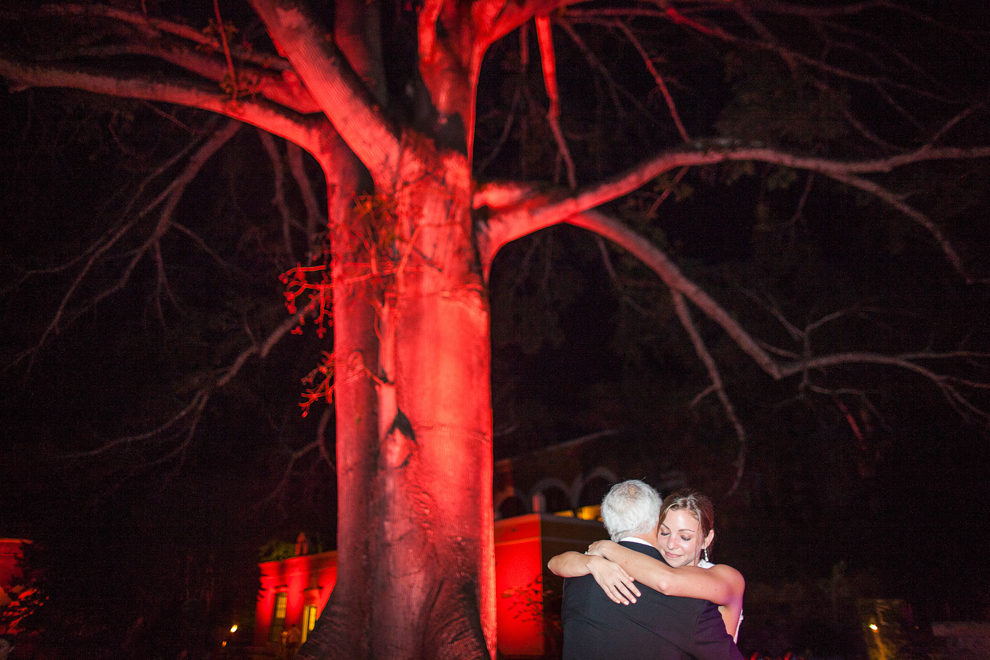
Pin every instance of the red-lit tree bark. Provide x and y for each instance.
(411, 365)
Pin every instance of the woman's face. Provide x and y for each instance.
(680, 538)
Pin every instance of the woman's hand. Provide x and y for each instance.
(613, 579)
(599, 548)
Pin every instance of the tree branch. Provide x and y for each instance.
(151, 28)
(279, 201)
(282, 88)
(314, 218)
(549, 61)
(304, 131)
(684, 314)
(333, 84)
(660, 263)
(171, 197)
(206, 53)
(181, 427)
(614, 87)
(910, 362)
(530, 214)
(681, 286)
(661, 85)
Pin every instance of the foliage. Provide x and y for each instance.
(535, 603)
(276, 550)
(771, 106)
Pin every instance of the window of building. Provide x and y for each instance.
(278, 620)
(309, 620)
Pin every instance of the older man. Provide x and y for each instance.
(656, 626)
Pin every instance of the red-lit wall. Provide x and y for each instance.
(518, 583)
(523, 546)
(306, 580)
(10, 571)
(10, 552)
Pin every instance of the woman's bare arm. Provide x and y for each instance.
(612, 578)
(722, 585)
(569, 564)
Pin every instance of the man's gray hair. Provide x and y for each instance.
(631, 508)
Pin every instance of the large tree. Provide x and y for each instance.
(385, 96)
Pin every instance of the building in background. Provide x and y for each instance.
(545, 502)
(294, 591)
(11, 572)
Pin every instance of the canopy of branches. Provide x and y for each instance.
(794, 195)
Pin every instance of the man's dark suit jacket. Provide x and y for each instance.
(655, 627)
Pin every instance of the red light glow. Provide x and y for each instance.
(523, 545)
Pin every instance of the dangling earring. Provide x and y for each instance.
(706, 554)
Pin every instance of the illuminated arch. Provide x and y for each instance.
(550, 495)
(510, 505)
(593, 486)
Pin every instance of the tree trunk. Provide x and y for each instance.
(414, 438)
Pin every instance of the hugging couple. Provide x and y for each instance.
(650, 592)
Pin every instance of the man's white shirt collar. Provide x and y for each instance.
(636, 539)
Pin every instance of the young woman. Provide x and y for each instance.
(685, 534)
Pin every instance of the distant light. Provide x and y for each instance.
(592, 512)
(874, 628)
(233, 628)
(224, 643)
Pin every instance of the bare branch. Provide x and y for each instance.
(321, 436)
(288, 221)
(284, 482)
(648, 61)
(282, 88)
(684, 314)
(946, 385)
(666, 193)
(162, 285)
(954, 121)
(898, 203)
(672, 276)
(766, 41)
(542, 210)
(659, 263)
(606, 260)
(336, 88)
(226, 49)
(614, 87)
(191, 411)
(304, 131)
(796, 333)
(314, 218)
(206, 53)
(150, 27)
(549, 62)
(506, 130)
(114, 233)
(174, 194)
(809, 11)
(180, 428)
(198, 240)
